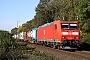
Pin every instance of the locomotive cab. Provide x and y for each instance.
(70, 35)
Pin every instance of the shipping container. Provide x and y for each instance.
(34, 34)
(29, 34)
(21, 35)
(26, 36)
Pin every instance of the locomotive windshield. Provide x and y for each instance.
(69, 26)
(65, 26)
(73, 26)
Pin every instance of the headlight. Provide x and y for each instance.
(76, 38)
(65, 33)
(75, 33)
(63, 37)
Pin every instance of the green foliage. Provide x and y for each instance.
(83, 12)
(42, 4)
(20, 29)
(85, 37)
(63, 8)
(42, 14)
(31, 24)
(36, 55)
(6, 39)
(8, 47)
(14, 30)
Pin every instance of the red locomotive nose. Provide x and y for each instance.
(70, 35)
(71, 38)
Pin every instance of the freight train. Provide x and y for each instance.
(58, 34)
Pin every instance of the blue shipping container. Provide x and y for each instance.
(34, 34)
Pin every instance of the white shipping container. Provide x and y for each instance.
(22, 35)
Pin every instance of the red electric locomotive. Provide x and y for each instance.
(60, 33)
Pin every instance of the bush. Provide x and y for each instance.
(8, 46)
(85, 37)
(85, 41)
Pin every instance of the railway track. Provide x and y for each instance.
(62, 54)
(85, 54)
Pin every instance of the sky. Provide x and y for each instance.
(13, 10)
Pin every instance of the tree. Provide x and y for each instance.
(83, 12)
(20, 29)
(14, 30)
(42, 4)
(8, 46)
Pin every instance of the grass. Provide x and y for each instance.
(32, 54)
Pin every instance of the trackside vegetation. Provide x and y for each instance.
(10, 49)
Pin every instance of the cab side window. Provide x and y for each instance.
(55, 26)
